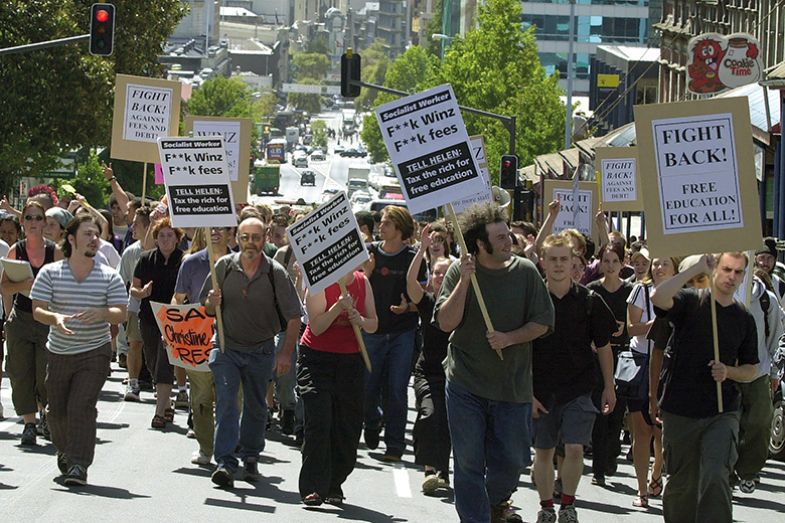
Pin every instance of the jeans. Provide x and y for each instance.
(253, 369)
(391, 361)
(490, 441)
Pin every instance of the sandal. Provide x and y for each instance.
(641, 502)
(169, 415)
(334, 499)
(655, 487)
(158, 422)
(312, 500)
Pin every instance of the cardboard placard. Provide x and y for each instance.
(187, 331)
(237, 140)
(145, 109)
(429, 147)
(485, 195)
(327, 243)
(197, 182)
(702, 196)
(580, 216)
(620, 187)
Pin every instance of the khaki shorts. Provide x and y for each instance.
(132, 332)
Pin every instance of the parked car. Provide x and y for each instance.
(308, 177)
(318, 156)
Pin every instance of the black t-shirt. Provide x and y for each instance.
(389, 282)
(691, 391)
(163, 273)
(435, 340)
(563, 363)
(617, 301)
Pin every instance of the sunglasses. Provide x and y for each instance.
(30, 218)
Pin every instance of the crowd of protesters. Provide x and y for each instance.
(584, 345)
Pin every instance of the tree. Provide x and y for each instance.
(374, 68)
(61, 98)
(221, 96)
(89, 182)
(319, 132)
(310, 65)
(311, 103)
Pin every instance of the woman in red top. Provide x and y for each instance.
(330, 381)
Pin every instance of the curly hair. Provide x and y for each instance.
(473, 223)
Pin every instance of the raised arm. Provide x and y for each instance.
(662, 297)
(413, 287)
(117, 190)
(547, 226)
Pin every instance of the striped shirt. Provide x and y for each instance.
(56, 285)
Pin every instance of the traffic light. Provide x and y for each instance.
(509, 171)
(350, 70)
(101, 29)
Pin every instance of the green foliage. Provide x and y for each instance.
(319, 132)
(61, 98)
(89, 182)
(374, 68)
(221, 96)
(311, 103)
(310, 65)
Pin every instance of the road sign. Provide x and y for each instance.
(311, 89)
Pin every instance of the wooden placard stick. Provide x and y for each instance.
(475, 283)
(219, 325)
(716, 339)
(360, 342)
(144, 185)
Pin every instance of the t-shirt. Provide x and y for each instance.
(194, 269)
(128, 261)
(691, 391)
(617, 301)
(514, 296)
(339, 337)
(163, 273)
(640, 297)
(563, 361)
(109, 251)
(249, 314)
(56, 285)
(389, 282)
(435, 340)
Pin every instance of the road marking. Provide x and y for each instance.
(401, 477)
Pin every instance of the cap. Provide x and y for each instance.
(769, 247)
(500, 196)
(61, 215)
(642, 252)
(688, 262)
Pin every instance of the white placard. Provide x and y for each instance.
(231, 134)
(327, 243)
(698, 173)
(429, 148)
(147, 111)
(574, 215)
(619, 182)
(197, 182)
(484, 196)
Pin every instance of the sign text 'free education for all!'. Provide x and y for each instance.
(327, 243)
(429, 147)
(197, 182)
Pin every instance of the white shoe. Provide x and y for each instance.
(1, 412)
(200, 458)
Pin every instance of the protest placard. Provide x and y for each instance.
(702, 196)
(579, 205)
(187, 331)
(429, 148)
(620, 188)
(145, 109)
(485, 195)
(237, 140)
(197, 182)
(327, 243)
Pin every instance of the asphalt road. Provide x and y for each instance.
(144, 474)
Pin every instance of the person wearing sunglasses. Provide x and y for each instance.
(26, 337)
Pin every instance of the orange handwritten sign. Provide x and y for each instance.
(187, 331)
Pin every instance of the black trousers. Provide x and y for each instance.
(431, 432)
(331, 386)
(606, 436)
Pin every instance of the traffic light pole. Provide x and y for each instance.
(44, 45)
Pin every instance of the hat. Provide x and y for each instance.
(642, 252)
(61, 215)
(500, 196)
(688, 262)
(769, 247)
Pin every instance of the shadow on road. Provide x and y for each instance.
(98, 491)
(353, 513)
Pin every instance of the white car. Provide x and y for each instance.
(318, 156)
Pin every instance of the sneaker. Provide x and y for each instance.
(223, 477)
(42, 427)
(190, 434)
(131, 394)
(76, 476)
(251, 470)
(504, 513)
(287, 422)
(181, 400)
(371, 438)
(598, 480)
(546, 515)
(431, 483)
(747, 486)
(29, 434)
(200, 458)
(568, 514)
(62, 463)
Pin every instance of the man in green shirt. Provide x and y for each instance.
(489, 399)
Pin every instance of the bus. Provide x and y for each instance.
(275, 150)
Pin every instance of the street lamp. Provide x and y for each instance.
(441, 37)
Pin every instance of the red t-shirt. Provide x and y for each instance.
(339, 337)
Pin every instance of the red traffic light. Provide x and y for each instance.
(102, 21)
(101, 15)
(506, 164)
